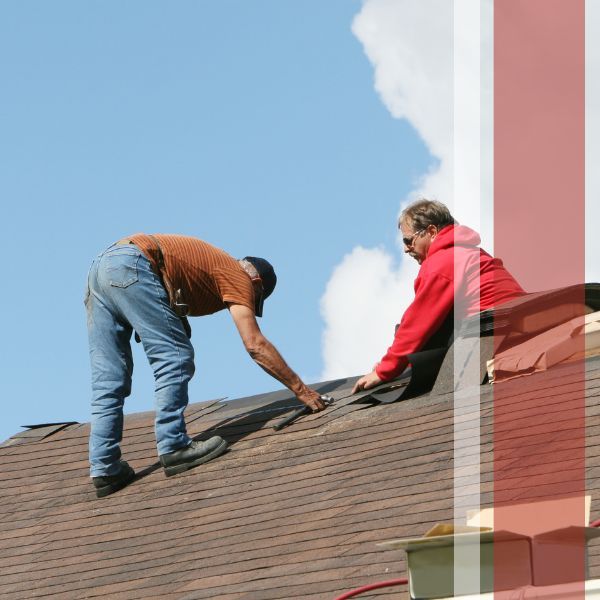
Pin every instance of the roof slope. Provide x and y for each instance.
(292, 514)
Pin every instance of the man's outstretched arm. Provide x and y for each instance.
(268, 358)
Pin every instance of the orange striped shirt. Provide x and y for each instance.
(203, 276)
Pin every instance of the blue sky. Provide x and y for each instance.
(252, 125)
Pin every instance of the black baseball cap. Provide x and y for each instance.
(268, 278)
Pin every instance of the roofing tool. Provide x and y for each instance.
(303, 410)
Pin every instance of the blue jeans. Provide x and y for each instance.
(124, 294)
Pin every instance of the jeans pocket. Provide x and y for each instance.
(122, 268)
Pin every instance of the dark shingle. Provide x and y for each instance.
(293, 514)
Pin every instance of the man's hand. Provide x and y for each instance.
(269, 359)
(312, 399)
(366, 382)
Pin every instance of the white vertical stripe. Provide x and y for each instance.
(592, 141)
(468, 187)
(487, 126)
(467, 109)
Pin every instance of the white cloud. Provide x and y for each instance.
(365, 297)
(410, 44)
(430, 59)
(433, 66)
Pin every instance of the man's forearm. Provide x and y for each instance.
(268, 358)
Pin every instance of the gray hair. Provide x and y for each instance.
(421, 214)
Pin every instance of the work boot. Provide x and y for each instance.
(108, 484)
(195, 454)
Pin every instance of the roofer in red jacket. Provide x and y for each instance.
(454, 272)
(150, 285)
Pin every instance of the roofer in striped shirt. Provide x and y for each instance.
(150, 284)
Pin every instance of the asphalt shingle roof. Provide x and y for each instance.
(292, 514)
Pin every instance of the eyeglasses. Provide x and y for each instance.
(408, 241)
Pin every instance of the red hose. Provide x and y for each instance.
(371, 586)
(394, 582)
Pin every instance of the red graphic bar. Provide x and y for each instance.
(539, 211)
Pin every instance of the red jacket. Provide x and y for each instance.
(454, 261)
